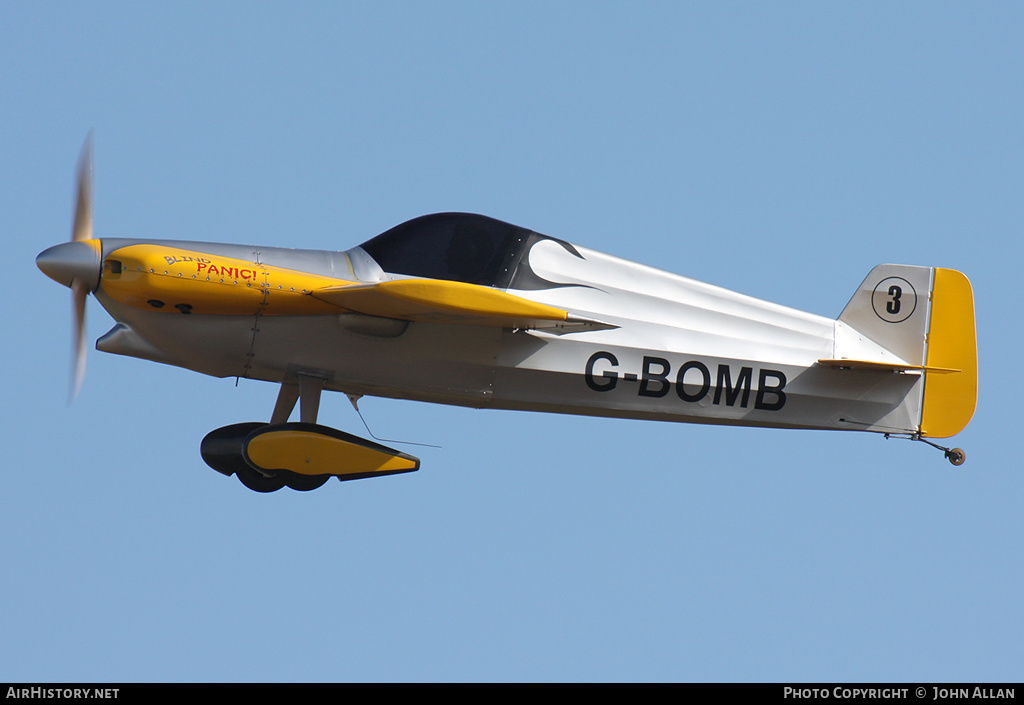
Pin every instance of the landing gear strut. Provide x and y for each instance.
(224, 449)
(268, 456)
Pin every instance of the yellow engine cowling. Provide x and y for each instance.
(161, 278)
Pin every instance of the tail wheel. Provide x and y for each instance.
(956, 456)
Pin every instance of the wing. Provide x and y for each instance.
(441, 301)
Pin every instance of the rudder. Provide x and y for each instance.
(950, 398)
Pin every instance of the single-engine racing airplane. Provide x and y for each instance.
(463, 309)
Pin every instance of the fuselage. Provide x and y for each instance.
(666, 347)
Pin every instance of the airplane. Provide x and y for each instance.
(463, 309)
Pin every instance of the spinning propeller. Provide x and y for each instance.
(77, 264)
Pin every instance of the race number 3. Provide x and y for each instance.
(895, 292)
(894, 299)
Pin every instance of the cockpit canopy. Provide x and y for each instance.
(461, 247)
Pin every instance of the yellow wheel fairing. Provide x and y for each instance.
(310, 449)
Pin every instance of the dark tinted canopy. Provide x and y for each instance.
(455, 246)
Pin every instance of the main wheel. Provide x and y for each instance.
(302, 483)
(257, 481)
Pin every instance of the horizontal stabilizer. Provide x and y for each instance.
(441, 301)
(844, 363)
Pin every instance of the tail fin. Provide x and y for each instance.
(916, 319)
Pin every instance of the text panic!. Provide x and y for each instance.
(224, 271)
(692, 381)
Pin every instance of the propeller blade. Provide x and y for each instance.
(82, 229)
(79, 292)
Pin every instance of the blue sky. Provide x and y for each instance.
(781, 149)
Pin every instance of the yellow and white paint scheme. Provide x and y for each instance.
(463, 309)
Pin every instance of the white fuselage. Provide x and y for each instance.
(673, 349)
